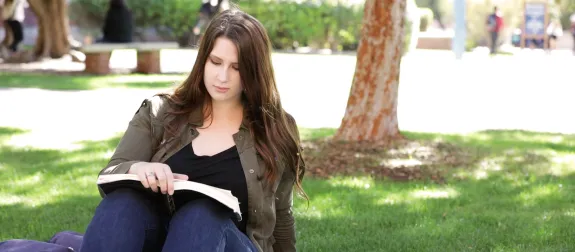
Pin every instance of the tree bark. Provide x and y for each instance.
(52, 16)
(8, 36)
(371, 113)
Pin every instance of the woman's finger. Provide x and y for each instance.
(151, 177)
(169, 180)
(180, 176)
(162, 180)
(143, 179)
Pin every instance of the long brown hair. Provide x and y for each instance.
(274, 131)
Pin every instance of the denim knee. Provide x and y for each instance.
(125, 220)
(127, 203)
(206, 209)
(126, 197)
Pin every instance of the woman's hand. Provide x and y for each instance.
(154, 175)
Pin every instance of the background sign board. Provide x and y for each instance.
(535, 22)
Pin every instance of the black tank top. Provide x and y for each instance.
(223, 170)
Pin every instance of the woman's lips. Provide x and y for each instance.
(221, 89)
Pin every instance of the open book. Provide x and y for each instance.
(183, 191)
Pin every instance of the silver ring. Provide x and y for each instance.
(150, 174)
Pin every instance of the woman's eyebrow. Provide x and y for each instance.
(214, 56)
(220, 59)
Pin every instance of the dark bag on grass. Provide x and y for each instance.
(66, 241)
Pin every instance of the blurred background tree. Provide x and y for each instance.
(566, 9)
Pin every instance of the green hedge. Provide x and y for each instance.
(323, 26)
(171, 18)
(333, 26)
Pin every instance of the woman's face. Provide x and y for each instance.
(221, 74)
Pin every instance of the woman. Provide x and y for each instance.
(223, 126)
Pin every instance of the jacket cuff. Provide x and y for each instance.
(284, 232)
(121, 168)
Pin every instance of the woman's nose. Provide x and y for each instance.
(222, 74)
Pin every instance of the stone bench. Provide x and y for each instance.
(148, 53)
(435, 41)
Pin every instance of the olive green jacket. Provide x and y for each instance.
(271, 224)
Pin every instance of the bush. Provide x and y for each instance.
(426, 18)
(566, 9)
(88, 14)
(174, 17)
(442, 10)
(321, 26)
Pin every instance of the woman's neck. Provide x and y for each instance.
(227, 113)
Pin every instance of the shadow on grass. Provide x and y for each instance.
(514, 193)
(500, 140)
(22, 221)
(46, 191)
(512, 151)
(86, 82)
(24, 162)
(496, 214)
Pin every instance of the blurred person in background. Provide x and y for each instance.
(208, 10)
(494, 27)
(119, 25)
(13, 16)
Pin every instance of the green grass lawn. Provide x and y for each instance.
(86, 82)
(519, 197)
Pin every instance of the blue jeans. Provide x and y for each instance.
(494, 39)
(126, 221)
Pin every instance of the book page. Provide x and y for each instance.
(102, 179)
(224, 196)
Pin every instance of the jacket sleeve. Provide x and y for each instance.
(135, 145)
(284, 232)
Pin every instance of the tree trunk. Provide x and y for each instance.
(8, 36)
(52, 16)
(371, 113)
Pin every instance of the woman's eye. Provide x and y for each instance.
(215, 63)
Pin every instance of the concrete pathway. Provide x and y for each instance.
(531, 91)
